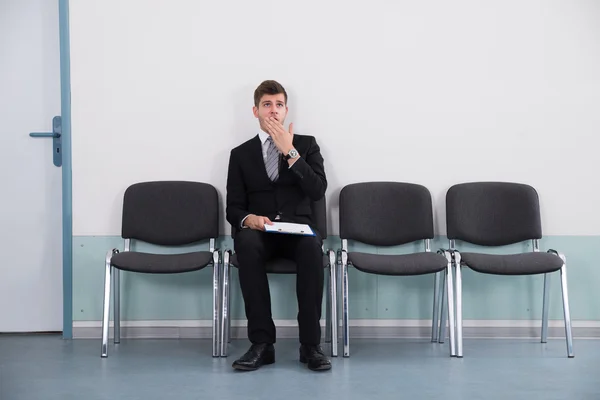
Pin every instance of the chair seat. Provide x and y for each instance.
(401, 264)
(161, 263)
(279, 265)
(512, 264)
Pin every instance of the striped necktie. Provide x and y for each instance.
(272, 161)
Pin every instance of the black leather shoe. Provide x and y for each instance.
(259, 354)
(314, 357)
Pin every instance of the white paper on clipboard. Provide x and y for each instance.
(289, 228)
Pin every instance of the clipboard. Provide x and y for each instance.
(289, 228)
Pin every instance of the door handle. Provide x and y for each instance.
(44, 134)
(56, 136)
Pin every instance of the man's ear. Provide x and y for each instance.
(255, 111)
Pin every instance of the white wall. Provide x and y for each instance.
(431, 92)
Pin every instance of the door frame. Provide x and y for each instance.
(67, 182)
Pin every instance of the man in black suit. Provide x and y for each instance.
(274, 177)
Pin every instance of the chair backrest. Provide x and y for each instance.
(170, 213)
(493, 213)
(385, 213)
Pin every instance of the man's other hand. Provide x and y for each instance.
(257, 222)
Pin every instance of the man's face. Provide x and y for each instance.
(271, 105)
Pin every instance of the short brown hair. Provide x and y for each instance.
(268, 87)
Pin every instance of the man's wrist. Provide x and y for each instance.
(291, 154)
(244, 220)
(292, 161)
(288, 149)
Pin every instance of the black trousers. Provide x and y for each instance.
(253, 249)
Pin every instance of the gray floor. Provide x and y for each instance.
(47, 367)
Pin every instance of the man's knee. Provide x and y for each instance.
(248, 240)
(309, 249)
(310, 244)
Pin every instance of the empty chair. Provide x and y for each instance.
(390, 214)
(496, 214)
(166, 213)
(285, 266)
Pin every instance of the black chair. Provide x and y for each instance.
(285, 266)
(496, 214)
(389, 214)
(165, 213)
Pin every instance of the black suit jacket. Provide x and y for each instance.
(250, 191)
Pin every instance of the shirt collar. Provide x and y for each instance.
(263, 136)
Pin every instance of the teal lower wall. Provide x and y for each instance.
(189, 297)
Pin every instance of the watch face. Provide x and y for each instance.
(293, 153)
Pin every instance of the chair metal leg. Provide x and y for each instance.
(338, 283)
(106, 307)
(450, 297)
(216, 323)
(435, 317)
(117, 305)
(333, 317)
(545, 308)
(345, 326)
(228, 326)
(459, 323)
(328, 310)
(444, 310)
(566, 310)
(225, 305)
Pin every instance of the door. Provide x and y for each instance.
(31, 206)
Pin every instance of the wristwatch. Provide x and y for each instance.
(293, 153)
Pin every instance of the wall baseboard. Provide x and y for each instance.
(367, 329)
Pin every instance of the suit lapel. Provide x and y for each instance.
(257, 158)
